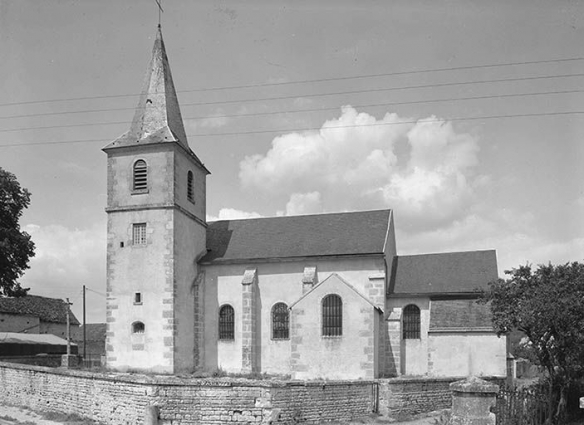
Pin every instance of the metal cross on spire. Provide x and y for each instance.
(160, 10)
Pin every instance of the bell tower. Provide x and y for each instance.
(156, 196)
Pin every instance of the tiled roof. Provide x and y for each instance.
(21, 338)
(452, 272)
(297, 236)
(93, 332)
(457, 314)
(46, 309)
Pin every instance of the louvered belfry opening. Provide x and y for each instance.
(140, 175)
(411, 322)
(280, 321)
(190, 195)
(226, 323)
(332, 315)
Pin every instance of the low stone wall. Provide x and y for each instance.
(116, 398)
(411, 396)
(414, 395)
(122, 399)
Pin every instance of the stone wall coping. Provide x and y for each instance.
(474, 385)
(170, 380)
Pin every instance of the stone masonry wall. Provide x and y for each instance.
(120, 399)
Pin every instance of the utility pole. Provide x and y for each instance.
(68, 330)
(84, 326)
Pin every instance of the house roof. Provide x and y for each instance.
(446, 273)
(46, 309)
(21, 338)
(93, 332)
(354, 233)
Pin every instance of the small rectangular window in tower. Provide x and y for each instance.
(139, 234)
(138, 298)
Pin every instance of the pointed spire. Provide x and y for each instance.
(157, 117)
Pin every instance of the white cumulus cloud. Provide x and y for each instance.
(425, 170)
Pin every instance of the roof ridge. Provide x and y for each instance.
(301, 215)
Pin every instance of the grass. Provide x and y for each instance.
(67, 418)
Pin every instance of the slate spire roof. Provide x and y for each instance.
(157, 117)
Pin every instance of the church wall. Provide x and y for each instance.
(146, 269)
(277, 282)
(413, 353)
(348, 356)
(466, 353)
(189, 240)
(182, 165)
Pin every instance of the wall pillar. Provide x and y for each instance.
(249, 331)
(199, 318)
(309, 279)
(472, 400)
(394, 343)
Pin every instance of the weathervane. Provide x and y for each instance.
(160, 10)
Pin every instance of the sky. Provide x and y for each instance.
(306, 107)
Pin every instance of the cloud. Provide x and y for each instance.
(232, 214)
(304, 203)
(65, 260)
(213, 121)
(426, 170)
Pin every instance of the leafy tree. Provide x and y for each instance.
(16, 248)
(547, 305)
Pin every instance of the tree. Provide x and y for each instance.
(16, 247)
(547, 305)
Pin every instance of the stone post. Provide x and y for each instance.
(249, 349)
(472, 400)
(151, 414)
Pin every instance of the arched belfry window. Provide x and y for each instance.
(280, 321)
(332, 315)
(411, 322)
(138, 328)
(226, 323)
(140, 175)
(190, 194)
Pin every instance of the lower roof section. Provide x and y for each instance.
(444, 273)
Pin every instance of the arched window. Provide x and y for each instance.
(140, 176)
(280, 321)
(411, 322)
(137, 328)
(226, 323)
(332, 315)
(190, 195)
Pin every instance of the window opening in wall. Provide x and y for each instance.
(137, 298)
(140, 175)
(137, 328)
(226, 323)
(411, 322)
(280, 321)
(332, 315)
(139, 234)
(190, 187)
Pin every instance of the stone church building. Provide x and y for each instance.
(313, 296)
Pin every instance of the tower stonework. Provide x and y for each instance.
(156, 232)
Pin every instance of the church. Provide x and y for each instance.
(321, 296)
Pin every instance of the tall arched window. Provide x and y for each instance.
(226, 323)
(411, 322)
(332, 315)
(190, 195)
(138, 328)
(140, 176)
(280, 321)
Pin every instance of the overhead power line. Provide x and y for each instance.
(308, 95)
(292, 130)
(294, 111)
(317, 80)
